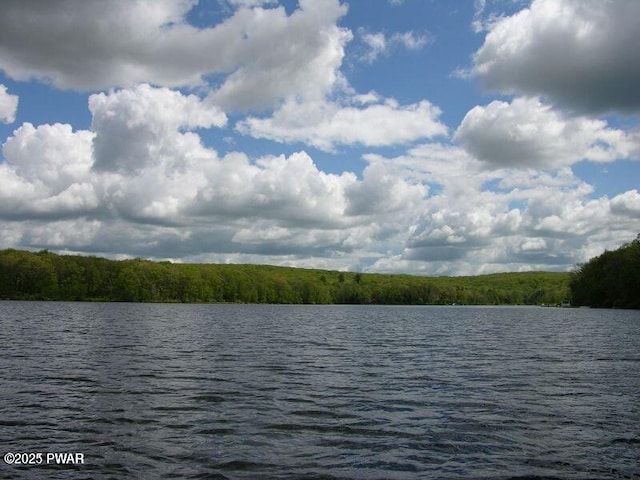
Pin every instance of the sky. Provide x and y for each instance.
(453, 137)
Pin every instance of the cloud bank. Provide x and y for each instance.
(497, 192)
(143, 167)
(142, 182)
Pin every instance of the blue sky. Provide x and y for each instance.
(427, 137)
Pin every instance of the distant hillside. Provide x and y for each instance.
(609, 280)
(44, 275)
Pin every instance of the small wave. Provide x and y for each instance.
(242, 465)
(121, 420)
(208, 398)
(75, 379)
(626, 441)
(14, 423)
(533, 477)
(215, 431)
(342, 430)
(322, 414)
(181, 408)
(212, 476)
(178, 426)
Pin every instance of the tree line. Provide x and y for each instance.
(610, 280)
(47, 276)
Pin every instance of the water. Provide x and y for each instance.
(320, 392)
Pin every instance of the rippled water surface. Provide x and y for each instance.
(238, 391)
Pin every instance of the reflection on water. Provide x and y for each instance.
(241, 391)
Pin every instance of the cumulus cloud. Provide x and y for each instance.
(528, 134)
(382, 191)
(290, 190)
(476, 220)
(8, 105)
(326, 124)
(46, 172)
(414, 213)
(627, 204)
(101, 45)
(139, 127)
(142, 182)
(580, 54)
(296, 56)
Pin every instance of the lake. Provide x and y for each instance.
(319, 392)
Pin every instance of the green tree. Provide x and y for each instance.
(127, 285)
(611, 279)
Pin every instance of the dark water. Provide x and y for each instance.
(233, 391)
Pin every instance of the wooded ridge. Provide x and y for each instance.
(48, 276)
(610, 280)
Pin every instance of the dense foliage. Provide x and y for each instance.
(609, 280)
(44, 275)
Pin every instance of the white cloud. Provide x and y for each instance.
(526, 133)
(410, 40)
(8, 105)
(476, 220)
(46, 172)
(142, 183)
(367, 98)
(477, 24)
(136, 128)
(414, 213)
(251, 3)
(98, 44)
(382, 192)
(580, 54)
(290, 190)
(52, 154)
(287, 57)
(627, 204)
(261, 55)
(326, 125)
(379, 44)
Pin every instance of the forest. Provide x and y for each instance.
(610, 280)
(47, 276)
